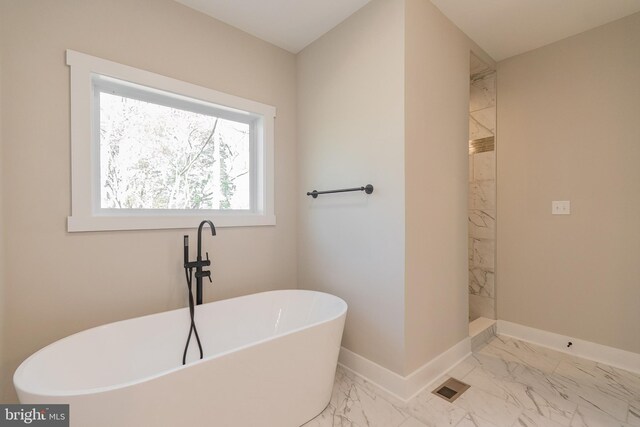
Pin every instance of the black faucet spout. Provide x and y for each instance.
(200, 273)
(200, 227)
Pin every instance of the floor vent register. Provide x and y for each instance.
(451, 389)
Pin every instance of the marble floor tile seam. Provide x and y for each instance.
(532, 419)
(526, 347)
(582, 391)
(588, 417)
(505, 390)
(520, 355)
(333, 416)
(594, 402)
(616, 385)
(487, 406)
(465, 421)
(472, 417)
(614, 393)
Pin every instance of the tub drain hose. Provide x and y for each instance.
(192, 330)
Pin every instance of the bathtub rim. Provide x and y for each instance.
(104, 389)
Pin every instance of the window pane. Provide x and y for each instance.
(158, 157)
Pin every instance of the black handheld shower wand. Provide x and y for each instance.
(200, 273)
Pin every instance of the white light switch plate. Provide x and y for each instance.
(561, 207)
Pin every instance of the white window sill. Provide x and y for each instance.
(111, 223)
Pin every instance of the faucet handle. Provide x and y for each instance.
(204, 273)
(209, 263)
(206, 262)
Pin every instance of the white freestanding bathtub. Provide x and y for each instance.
(269, 360)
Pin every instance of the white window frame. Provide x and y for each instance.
(86, 213)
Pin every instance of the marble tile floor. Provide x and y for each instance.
(513, 383)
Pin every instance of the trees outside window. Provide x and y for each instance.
(158, 157)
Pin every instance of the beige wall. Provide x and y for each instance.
(569, 129)
(4, 377)
(436, 179)
(351, 113)
(383, 98)
(58, 283)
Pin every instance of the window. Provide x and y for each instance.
(149, 151)
(157, 152)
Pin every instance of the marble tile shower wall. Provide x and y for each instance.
(482, 200)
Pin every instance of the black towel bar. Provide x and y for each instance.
(367, 189)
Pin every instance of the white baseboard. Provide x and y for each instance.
(404, 388)
(586, 349)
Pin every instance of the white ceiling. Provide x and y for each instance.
(290, 24)
(503, 28)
